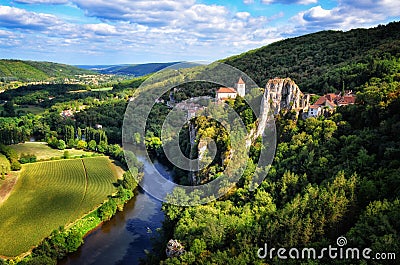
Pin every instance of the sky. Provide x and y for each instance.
(141, 31)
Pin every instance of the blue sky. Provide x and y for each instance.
(139, 31)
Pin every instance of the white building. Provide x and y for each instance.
(224, 93)
(241, 87)
(314, 111)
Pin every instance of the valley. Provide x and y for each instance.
(334, 173)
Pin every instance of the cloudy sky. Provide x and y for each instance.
(139, 31)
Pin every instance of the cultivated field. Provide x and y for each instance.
(43, 152)
(52, 194)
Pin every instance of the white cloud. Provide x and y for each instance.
(12, 17)
(347, 15)
(149, 12)
(242, 15)
(101, 29)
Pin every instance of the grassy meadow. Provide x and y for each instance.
(43, 152)
(51, 194)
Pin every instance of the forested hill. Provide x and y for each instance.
(326, 60)
(128, 69)
(11, 70)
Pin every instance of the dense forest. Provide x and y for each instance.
(335, 175)
(325, 61)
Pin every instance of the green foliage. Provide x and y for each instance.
(61, 145)
(9, 110)
(66, 154)
(378, 227)
(321, 62)
(92, 145)
(5, 166)
(12, 156)
(27, 158)
(36, 71)
(107, 210)
(81, 144)
(331, 176)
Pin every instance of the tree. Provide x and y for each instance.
(92, 145)
(9, 109)
(61, 145)
(69, 133)
(107, 210)
(15, 165)
(81, 144)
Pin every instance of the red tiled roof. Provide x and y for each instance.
(331, 96)
(241, 81)
(314, 107)
(320, 101)
(324, 101)
(226, 90)
(349, 99)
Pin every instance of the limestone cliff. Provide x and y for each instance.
(280, 94)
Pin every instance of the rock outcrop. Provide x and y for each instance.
(280, 94)
(285, 94)
(174, 249)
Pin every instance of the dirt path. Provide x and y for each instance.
(7, 185)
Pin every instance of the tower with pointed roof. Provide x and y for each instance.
(241, 87)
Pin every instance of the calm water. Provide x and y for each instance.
(125, 238)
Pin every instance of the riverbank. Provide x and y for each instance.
(127, 236)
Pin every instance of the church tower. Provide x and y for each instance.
(241, 87)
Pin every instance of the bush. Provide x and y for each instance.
(66, 155)
(15, 165)
(107, 210)
(61, 145)
(42, 260)
(27, 158)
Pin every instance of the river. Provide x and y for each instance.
(125, 238)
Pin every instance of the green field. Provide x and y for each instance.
(27, 109)
(102, 89)
(51, 194)
(30, 109)
(43, 152)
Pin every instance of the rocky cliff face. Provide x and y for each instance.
(279, 94)
(285, 94)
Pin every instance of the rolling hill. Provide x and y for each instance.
(128, 69)
(18, 70)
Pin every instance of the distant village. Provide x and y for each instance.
(284, 93)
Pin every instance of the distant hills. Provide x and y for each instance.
(128, 69)
(27, 71)
(31, 71)
(324, 61)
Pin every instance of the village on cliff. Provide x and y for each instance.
(281, 93)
